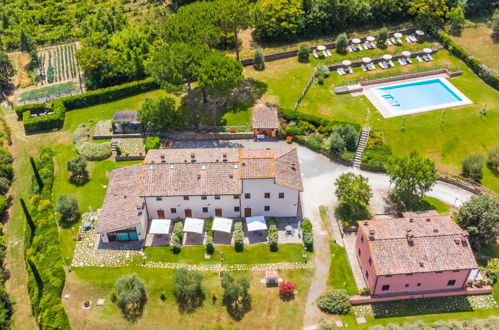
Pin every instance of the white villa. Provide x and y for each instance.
(199, 183)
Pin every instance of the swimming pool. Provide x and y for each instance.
(415, 96)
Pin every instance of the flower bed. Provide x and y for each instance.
(132, 146)
(103, 127)
(49, 91)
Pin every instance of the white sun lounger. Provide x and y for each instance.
(429, 57)
(329, 52)
(324, 53)
(409, 60)
(425, 58)
(399, 41)
(340, 72)
(413, 38)
(360, 47)
(391, 63)
(363, 67)
(419, 59)
(408, 39)
(371, 65)
(350, 49)
(314, 52)
(373, 45)
(350, 69)
(401, 61)
(393, 41)
(388, 42)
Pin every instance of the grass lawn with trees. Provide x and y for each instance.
(465, 131)
(479, 42)
(268, 311)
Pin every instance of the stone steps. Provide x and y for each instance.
(361, 146)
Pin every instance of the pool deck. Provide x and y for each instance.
(388, 112)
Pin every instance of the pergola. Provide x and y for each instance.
(160, 226)
(256, 223)
(193, 225)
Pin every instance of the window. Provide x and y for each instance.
(439, 272)
(451, 282)
(367, 275)
(217, 196)
(362, 239)
(370, 261)
(388, 276)
(205, 210)
(407, 285)
(385, 287)
(266, 208)
(236, 209)
(159, 198)
(204, 197)
(236, 196)
(419, 284)
(281, 195)
(247, 195)
(456, 271)
(173, 210)
(359, 253)
(186, 198)
(409, 274)
(266, 195)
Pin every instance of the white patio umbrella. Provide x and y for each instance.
(347, 62)
(398, 35)
(371, 38)
(420, 33)
(356, 41)
(321, 47)
(427, 50)
(366, 59)
(406, 53)
(387, 57)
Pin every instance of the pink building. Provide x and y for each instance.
(414, 255)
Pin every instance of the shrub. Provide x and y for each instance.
(210, 247)
(176, 244)
(341, 43)
(307, 234)
(67, 206)
(238, 236)
(187, 288)
(382, 36)
(294, 130)
(287, 288)
(152, 142)
(292, 115)
(259, 60)
(473, 166)
(81, 134)
(3, 205)
(306, 126)
(178, 230)
(95, 151)
(347, 156)
(4, 185)
(365, 291)
(323, 70)
(31, 108)
(78, 168)
(303, 53)
(376, 157)
(349, 134)
(492, 270)
(334, 302)
(130, 295)
(6, 171)
(494, 22)
(273, 235)
(478, 216)
(315, 141)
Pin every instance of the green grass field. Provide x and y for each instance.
(478, 41)
(464, 131)
(340, 271)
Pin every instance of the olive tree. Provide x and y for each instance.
(479, 216)
(130, 295)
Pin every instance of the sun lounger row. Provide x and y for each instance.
(394, 41)
(358, 47)
(343, 72)
(411, 38)
(325, 53)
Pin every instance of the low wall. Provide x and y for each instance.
(474, 190)
(118, 136)
(294, 52)
(208, 136)
(359, 300)
(124, 158)
(404, 77)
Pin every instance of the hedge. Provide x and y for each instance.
(488, 75)
(273, 235)
(32, 108)
(42, 251)
(238, 234)
(307, 234)
(315, 120)
(45, 122)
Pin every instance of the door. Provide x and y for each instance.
(218, 212)
(247, 212)
(161, 214)
(188, 213)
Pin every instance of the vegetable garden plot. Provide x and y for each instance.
(58, 64)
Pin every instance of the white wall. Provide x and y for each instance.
(285, 207)
(195, 204)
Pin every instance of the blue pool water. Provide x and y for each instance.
(419, 94)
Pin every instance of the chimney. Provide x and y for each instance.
(464, 240)
(421, 264)
(428, 219)
(224, 157)
(139, 210)
(198, 176)
(411, 220)
(163, 160)
(410, 237)
(193, 157)
(371, 235)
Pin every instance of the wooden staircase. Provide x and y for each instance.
(361, 146)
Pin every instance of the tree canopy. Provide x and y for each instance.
(7, 70)
(67, 206)
(353, 192)
(236, 296)
(130, 295)
(160, 114)
(480, 217)
(188, 291)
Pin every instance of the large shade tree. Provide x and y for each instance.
(130, 295)
(353, 193)
(480, 217)
(412, 176)
(160, 114)
(188, 291)
(218, 75)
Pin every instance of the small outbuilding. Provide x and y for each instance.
(126, 121)
(265, 120)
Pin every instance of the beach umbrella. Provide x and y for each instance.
(419, 33)
(347, 62)
(356, 41)
(427, 50)
(321, 47)
(371, 38)
(366, 59)
(406, 53)
(387, 57)
(398, 35)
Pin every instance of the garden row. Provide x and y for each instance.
(49, 92)
(58, 64)
(42, 249)
(43, 116)
(6, 175)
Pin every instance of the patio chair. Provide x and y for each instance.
(429, 57)
(419, 59)
(388, 42)
(409, 60)
(315, 54)
(363, 67)
(350, 69)
(391, 63)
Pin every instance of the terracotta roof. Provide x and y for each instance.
(206, 155)
(265, 117)
(288, 170)
(417, 245)
(119, 209)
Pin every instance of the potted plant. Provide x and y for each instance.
(365, 292)
(469, 284)
(479, 283)
(289, 139)
(86, 304)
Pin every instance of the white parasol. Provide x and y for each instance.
(356, 41)
(387, 57)
(366, 59)
(371, 38)
(347, 62)
(321, 47)
(419, 33)
(398, 35)
(406, 53)
(427, 50)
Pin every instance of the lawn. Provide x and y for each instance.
(252, 254)
(340, 271)
(465, 131)
(478, 42)
(267, 310)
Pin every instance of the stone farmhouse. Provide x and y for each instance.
(200, 183)
(414, 255)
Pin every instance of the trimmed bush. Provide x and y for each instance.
(323, 71)
(176, 244)
(32, 108)
(81, 134)
(307, 235)
(341, 43)
(292, 115)
(382, 36)
(238, 236)
(95, 151)
(178, 230)
(152, 142)
(473, 167)
(259, 60)
(67, 206)
(273, 235)
(3, 205)
(303, 53)
(334, 302)
(4, 185)
(376, 157)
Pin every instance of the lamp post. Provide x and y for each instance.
(222, 257)
(67, 264)
(442, 120)
(305, 257)
(403, 124)
(72, 233)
